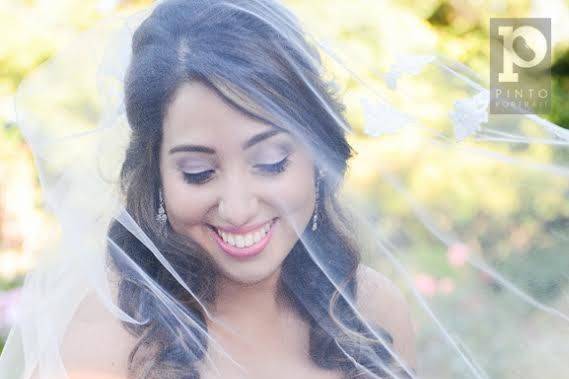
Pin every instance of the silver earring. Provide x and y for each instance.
(317, 195)
(161, 217)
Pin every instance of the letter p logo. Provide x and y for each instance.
(533, 38)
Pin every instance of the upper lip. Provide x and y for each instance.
(241, 229)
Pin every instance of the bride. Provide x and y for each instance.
(229, 184)
(237, 150)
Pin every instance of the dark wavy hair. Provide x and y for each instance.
(254, 67)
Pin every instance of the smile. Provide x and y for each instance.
(244, 244)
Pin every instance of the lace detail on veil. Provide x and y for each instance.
(406, 65)
(381, 118)
(469, 114)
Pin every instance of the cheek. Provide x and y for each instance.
(294, 195)
(186, 206)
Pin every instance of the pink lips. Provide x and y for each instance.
(244, 252)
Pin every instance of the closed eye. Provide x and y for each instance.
(274, 168)
(268, 168)
(199, 177)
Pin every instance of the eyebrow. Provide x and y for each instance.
(247, 144)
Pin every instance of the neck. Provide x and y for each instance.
(235, 298)
(249, 316)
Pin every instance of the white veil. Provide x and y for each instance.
(456, 214)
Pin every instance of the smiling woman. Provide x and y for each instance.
(242, 167)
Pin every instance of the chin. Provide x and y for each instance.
(250, 275)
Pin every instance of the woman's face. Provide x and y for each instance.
(239, 187)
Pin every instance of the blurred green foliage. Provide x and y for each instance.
(467, 23)
(364, 30)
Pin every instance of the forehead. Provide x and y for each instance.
(197, 113)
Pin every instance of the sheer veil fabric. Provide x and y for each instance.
(440, 230)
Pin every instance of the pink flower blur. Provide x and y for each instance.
(457, 254)
(426, 284)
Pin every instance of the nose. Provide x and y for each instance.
(238, 206)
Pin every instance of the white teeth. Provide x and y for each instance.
(245, 240)
(240, 241)
(257, 236)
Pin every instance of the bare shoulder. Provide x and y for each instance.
(380, 300)
(95, 343)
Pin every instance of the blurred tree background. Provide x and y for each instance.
(371, 32)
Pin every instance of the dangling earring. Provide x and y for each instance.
(161, 217)
(317, 195)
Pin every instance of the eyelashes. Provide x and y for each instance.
(268, 169)
(274, 168)
(198, 178)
